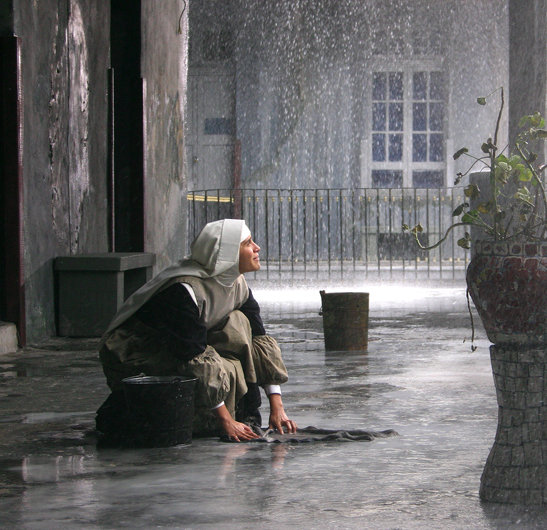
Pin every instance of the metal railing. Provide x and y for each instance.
(312, 233)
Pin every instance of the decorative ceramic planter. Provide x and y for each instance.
(508, 285)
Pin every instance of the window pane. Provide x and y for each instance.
(396, 86)
(419, 116)
(420, 85)
(395, 116)
(436, 148)
(387, 179)
(379, 86)
(395, 147)
(378, 147)
(217, 126)
(428, 179)
(436, 116)
(379, 117)
(436, 90)
(419, 147)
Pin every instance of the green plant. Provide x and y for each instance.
(515, 205)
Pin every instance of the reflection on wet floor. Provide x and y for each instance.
(417, 377)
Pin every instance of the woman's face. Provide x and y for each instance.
(248, 256)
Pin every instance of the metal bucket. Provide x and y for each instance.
(161, 409)
(345, 321)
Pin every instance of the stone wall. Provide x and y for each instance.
(65, 57)
(164, 69)
(66, 47)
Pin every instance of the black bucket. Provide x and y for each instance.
(161, 409)
(345, 321)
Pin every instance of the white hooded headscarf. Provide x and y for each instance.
(213, 254)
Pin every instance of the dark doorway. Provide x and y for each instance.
(12, 306)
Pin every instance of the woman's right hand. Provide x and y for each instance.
(234, 430)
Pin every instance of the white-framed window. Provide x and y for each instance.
(405, 143)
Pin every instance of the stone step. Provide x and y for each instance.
(8, 337)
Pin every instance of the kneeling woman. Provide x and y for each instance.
(199, 319)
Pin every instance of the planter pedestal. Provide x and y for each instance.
(516, 469)
(508, 285)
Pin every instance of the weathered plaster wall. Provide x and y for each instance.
(164, 69)
(528, 60)
(65, 57)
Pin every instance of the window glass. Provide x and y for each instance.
(395, 147)
(419, 116)
(419, 85)
(378, 147)
(379, 117)
(396, 86)
(395, 116)
(379, 86)
(436, 116)
(419, 147)
(387, 178)
(428, 179)
(218, 126)
(400, 146)
(436, 148)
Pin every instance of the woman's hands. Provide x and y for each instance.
(278, 417)
(234, 430)
(240, 432)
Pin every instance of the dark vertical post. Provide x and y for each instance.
(527, 61)
(279, 228)
(237, 179)
(305, 221)
(110, 186)
(128, 117)
(291, 223)
(12, 295)
(341, 232)
(328, 231)
(267, 224)
(317, 227)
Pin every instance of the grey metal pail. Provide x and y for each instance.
(345, 320)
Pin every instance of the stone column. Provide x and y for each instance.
(516, 469)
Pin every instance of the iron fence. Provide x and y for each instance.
(310, 233)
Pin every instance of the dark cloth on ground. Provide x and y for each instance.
(315, 434)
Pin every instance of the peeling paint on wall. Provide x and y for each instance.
(78, 105)
(56, 132)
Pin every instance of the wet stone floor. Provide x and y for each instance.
(418, 377)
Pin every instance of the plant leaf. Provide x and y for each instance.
(523, 194)
(472, 191)
(481, 101)
(460, 152)
(464, 242)
(525, 174)
(459, 209)
(470, 217)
